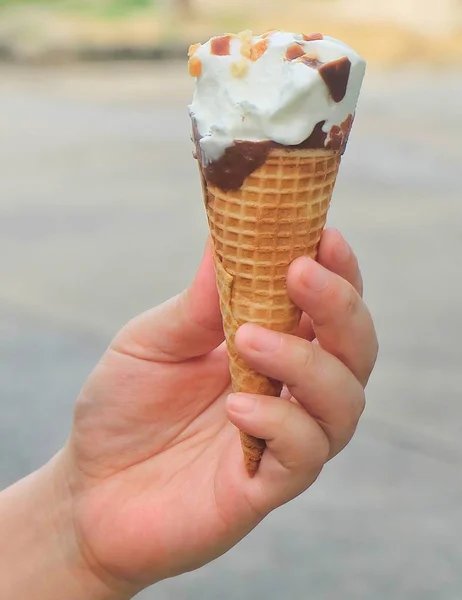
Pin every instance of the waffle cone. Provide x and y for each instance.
(257, 231)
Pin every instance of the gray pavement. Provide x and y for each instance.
(95, 169)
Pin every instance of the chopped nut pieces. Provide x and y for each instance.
(240, 69)
(195, 67)
(246, 49)
(255, 51)
(258, 50)
(313, 37)
(294, 51)
(220, 46)
(310, 60)
(193, 49)
(269, 33)
(245, 36)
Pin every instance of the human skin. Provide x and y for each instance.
(151, 482)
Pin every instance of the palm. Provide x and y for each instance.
(158, 485)
(161, 469)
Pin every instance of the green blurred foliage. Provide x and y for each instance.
(95, 7)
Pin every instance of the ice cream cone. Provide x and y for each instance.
(276, 216)
(271, 118)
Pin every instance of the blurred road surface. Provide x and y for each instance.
(101, 218)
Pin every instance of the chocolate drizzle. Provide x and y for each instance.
(336, 75)
(243, 158)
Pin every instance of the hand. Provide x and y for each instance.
(154, 466)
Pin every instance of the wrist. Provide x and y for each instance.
(43, 558)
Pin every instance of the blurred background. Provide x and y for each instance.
(101, 217)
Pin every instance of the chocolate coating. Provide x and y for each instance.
(243, 158)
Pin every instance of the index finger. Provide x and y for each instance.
(342, 322)
(336, 255)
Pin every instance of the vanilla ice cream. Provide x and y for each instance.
(286, 88)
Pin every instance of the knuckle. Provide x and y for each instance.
(360, 404)
(343, 430)
(306, 359)
(342, 302)
(376, 348)
(284, 416)
(372, 358)
(349, 301)
(318, 461)
(360, 284)
(375, 355)
(356, 278)
(355, 412)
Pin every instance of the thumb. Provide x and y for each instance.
(186, 326)
(297, 447)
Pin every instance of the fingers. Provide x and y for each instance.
(336, 255)
(341, 320)
(320, 383)
(184, 327)
(297, 447)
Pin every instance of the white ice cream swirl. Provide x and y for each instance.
(276, 87)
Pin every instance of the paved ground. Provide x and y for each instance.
(96, 170)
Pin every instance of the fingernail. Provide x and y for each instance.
(314, 276)
(264, 340)
(342, 250)
(241, 403)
